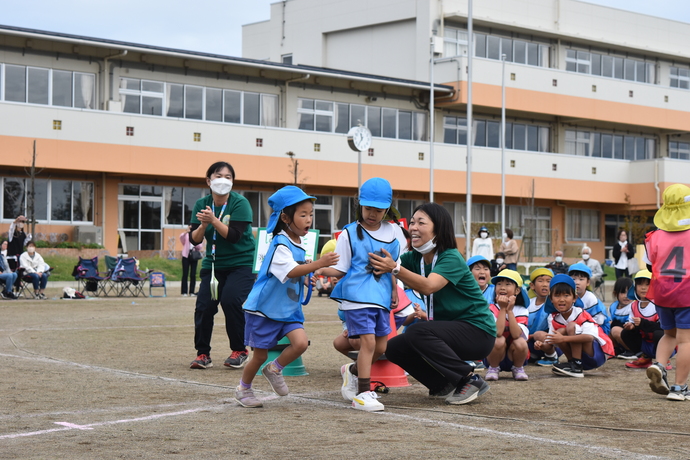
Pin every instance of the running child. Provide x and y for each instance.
(365, 297)
(273, 309)
(670, 289)
(573, 331)
(619, 311)
(581, 274)
(510, 352)
(642, 331)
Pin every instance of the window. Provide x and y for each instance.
(141, 96)
(326, 116)
(140, 217)
(454, 42)
(680, 150)
(60, 88)
(179, 203)
(518, 51)
(286, 59)
(582, 224)
(15, 83)
(680, 78)
(54, 200)
(609, 146)
(488, 134)
(609, 66)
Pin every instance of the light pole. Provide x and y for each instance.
(431, 122)
(470, 53)
(503, 143)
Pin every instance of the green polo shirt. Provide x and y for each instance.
(460, 299)
(228, 255)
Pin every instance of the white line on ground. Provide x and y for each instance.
(270, 396)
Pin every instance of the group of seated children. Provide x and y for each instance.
(562, 317)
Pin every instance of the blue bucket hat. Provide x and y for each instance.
(580, 267)
(376, 193)
(286, 196)
(473, 260)
(561, 279)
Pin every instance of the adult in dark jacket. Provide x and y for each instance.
(622, 252)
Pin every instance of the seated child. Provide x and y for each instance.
(573, 331)
(619, 312)
(480, 267)
(510, 352)
(642, 331)
(581, 274)
(538, 318)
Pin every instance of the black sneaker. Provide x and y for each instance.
(626, 354)
(468, 391)
(446, 391)
(237, 359)
(569, 369)
(658, 381)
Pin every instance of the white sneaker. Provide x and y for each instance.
(349, 389)
(367, 401)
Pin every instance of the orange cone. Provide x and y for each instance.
(385, 371)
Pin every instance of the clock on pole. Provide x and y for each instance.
(359, 140)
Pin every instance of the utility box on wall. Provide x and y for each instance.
(88, 234)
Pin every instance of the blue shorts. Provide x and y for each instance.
(264, 333)
(375, 321)
(672, 318)
(592, 362)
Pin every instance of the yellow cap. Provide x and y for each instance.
(674, 215)
(540, 272)
(328, 247)
(509, 274)
(643, 274)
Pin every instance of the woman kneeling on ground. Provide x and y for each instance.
(461, 327)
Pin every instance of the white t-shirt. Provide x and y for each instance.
(283, 261)
(587, 328)
(386, 232)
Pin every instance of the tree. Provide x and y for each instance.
(31, 193)
(635, 222)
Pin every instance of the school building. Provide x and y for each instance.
(596, 104)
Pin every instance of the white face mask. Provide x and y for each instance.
(20, 225)
(30, 250)
(559, 259)
(483, 234)
(221, 186)
(505, 237)
(585, 256)
(426, 247)
(499, 262)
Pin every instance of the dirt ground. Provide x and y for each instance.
(110, 378)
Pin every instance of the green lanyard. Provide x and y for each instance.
(222, 210)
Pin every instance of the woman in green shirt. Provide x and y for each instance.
(224, 218)
(460, 326)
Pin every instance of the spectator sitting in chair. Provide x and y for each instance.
(558, 266)
(35, 268)
(594, 265)
(7, 277)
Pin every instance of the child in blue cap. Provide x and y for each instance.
(582, 274)
(573, 331)
(366, 297)
(273, 309)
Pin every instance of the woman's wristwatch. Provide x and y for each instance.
(396, 270)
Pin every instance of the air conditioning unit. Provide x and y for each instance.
(88, 234)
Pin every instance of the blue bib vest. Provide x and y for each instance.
(273, 299)
(360, 285)
(597, 309)
(614, 316)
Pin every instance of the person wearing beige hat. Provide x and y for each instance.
(669, 289)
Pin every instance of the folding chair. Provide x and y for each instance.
(88, 278)
(110, 287)
(25, 286)
(157, 280)
(599, 288)
(128, 279)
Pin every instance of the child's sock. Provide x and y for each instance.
(551, 355)
(277, 365)
(245, 386)
(353, 369)
(363, 385)
(578, 362)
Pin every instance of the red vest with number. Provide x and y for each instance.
(670, 285)
(582, 318)
(636, 312)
